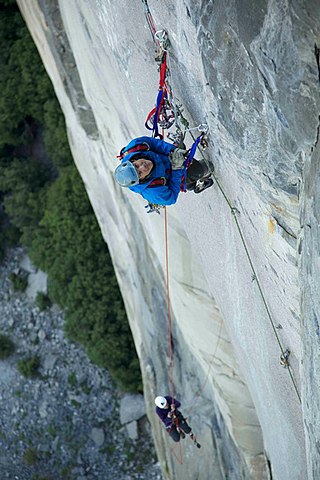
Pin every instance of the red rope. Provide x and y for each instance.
(151, 24)
(162, 85)
(163, 71)
(168, 302)
(175, 420)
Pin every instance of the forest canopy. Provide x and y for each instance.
(45, 208)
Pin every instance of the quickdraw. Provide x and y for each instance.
(153, 208)
(162, 115)
(284, 358)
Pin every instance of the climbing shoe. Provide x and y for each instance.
(203, 184)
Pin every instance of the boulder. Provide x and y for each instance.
(43, 409)
(54, 444)
(41, 335)
(97, 435)
(132, 430)
(26, 265)
(8, 374)
(132, 407)
(49, 361)
(37, 282)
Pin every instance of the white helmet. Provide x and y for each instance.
(126, 175)
(161, 402)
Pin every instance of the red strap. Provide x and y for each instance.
(182, 189)
(157, 181)
(162, 86)
(148, 118)
(139, 148)
(163, 70)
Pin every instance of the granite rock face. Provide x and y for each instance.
(309, 248)
(249, 69)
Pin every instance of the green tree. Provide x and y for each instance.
(22, 183)
(19, 282)
(42, 301)
(68, 245)
(44, 205)
(7, 347)
(29, 367)
(24, 87)
(30, 456)
(55, 136)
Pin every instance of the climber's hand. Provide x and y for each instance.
(177, 158)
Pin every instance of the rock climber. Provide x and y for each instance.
(155, 169)
(175, 423)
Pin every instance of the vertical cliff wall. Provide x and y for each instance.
(248, 68)
(309, 249)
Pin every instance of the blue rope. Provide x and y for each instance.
(156, 113)
(189, 159)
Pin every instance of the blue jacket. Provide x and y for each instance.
(159, 154)
(163, 412)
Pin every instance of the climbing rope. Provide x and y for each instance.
(175, 420)
(234, 211)
(168, 301)
(284, 354)
(161, 106)
(149, 19)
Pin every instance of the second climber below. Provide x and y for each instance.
(155, 169)
(175, 423)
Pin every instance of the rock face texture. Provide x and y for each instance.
(244, 255)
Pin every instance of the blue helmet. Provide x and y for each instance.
(126, 175)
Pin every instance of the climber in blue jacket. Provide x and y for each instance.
(155, 169)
